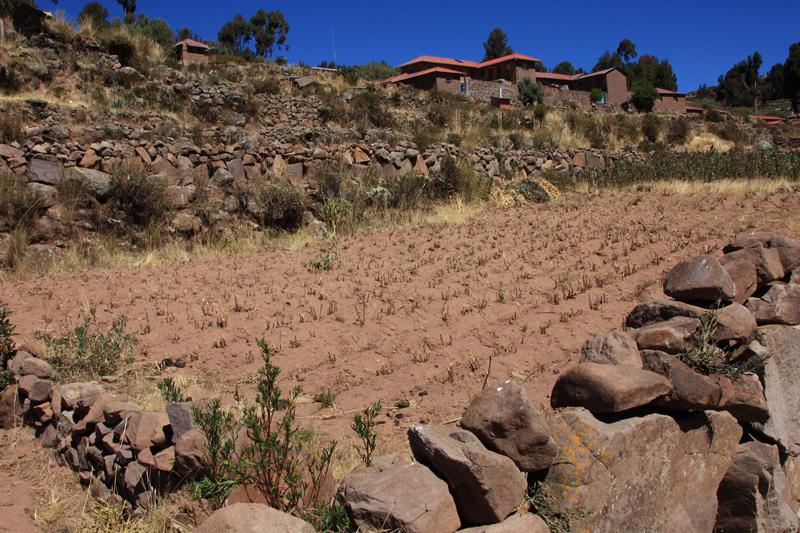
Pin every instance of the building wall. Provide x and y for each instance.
(670, 104)
(445, 85)
(484, 91)
(188, 58)
(616, 87)
(557, 95)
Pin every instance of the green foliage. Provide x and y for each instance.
(791, 75)
(741, 85)
(218, 478)
(94, 13)
(704, 167)
(372, 71)
(543, 504)
(336, 213)
(707, 358)
(597, 94)
(540, 113)
(367, 108)
(627, 50)
(649, 68)
(730, 130)
(458, 178)
(644, 96)
(651, 127)
(326, 262)
(530, 92)
(158, 30)
(496, 45)
(7, 379)
(89, 352)
(266, 31)
(128, 6)
(136, 194)
(565, 67)
(6, 334)
(531, 191)
(774, 84)
(363, 425)
(331, 518)
(171, 392)
(279, 205)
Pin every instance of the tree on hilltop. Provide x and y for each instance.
(565, 67)
(128, 6)
(741, 85)
(94, 13)
(791, 76)
(496, 45)
(267, 30)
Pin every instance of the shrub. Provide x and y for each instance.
(88, 352)
(336, 213)
(367, 107)
(440, 114)
(407, 192)
(458, 178)
(218, 478)
(424, 136)
(644, 96)
(278, 205)
(10, 128)
(171, 392)
(540, 113)
(597, 94)
(543, 504)
(363, 425)
(19, 205)
(730, 131)
(651, 127)
(266, 86)
(530, 92)
(139, 196)
(678, 131)
(6, 334)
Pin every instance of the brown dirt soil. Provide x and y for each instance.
(412, 313)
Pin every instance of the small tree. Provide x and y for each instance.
(530, 92)
(94, 13)
(496, 45)
(269, 30)
(129, 7)
(644, 96)
(597, 94)
(626, 50)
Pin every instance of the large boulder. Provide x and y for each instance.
(673, 336)
(701, 279)
(788, 251)
(45, 171)
(655, 311)
(146, 429)
(516, 523)
(93, 181)
(253, 518)
(486, 486)
(190, 452)
(766, 260)
(607, 388)
(653, 473)
(753, 496)
(612, 348)
(690, 390)
(743, 274)
(506, 421)
(782, 386)
(780, 305)
(402, 496)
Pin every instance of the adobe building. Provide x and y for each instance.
(496, 81)
(191, 52)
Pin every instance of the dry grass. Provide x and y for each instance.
(722, 186)
(706, 142)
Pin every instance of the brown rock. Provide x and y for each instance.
(701, 279)
(744, 398)
(190, 452)
(782, 386)
(743, 274)
(379, 498)
(44, 171)
(486, 486)
(788, 251)
(33, 366)
(651, 473)
(143, 155)
(506, 421)
(516, 523)
(735, 323)
(163, 460)
(181, 419)
(10, 408)
(146, 429)
(672, 336)
(89, 159)
(360, 157)
(94, 415)
(753, 496)
(34, 389)
(252, 518)
(655, 311)
(780, 305)
(613, 348)
(607, 388)
(690, 390)
(766, 260)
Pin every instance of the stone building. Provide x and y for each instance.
(191, 52)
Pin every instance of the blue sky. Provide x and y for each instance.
(701, 38)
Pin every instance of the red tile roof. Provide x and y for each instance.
(510, 57)
(555, 76)
(441, 61)
(437, 70)
(192, 43)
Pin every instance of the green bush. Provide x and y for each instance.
(678, 131)
(171, 392)
(218, 477)
(88, 352)
(651, 127)
(597, 94)
(644, 96)
(6, 334)
(139, 196)
(530, 92)
(279, 206)
(363, 425)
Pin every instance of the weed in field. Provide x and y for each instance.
(88, 351)
(363, 425)
(171, 392)
(542, 503)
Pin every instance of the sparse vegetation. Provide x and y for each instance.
(88, 351)
(171, 392)
(364, 427)
(542, 503)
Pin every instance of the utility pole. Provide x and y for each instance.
(333, 42)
